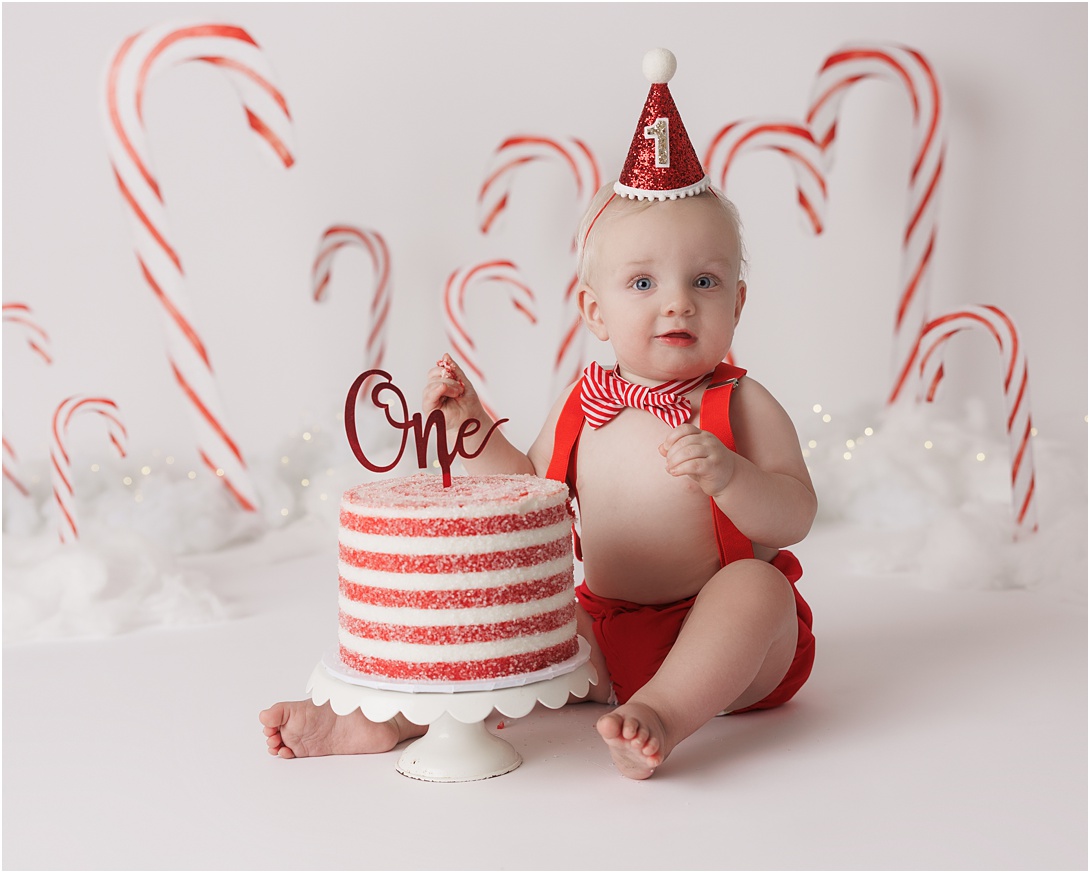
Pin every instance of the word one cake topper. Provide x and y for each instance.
(416, 423)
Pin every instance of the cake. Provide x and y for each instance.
(471, 582)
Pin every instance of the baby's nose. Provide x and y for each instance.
(677, 301)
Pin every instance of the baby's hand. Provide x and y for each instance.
(448, 389)
(692, 452)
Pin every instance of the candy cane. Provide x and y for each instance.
(513, 153)
(38, 340)
(571, 353)
(63, 492)
(454, 293)
(791, 139)
(907, 67)
(231, 50)
(516, 151)
(334, 239)
(930, 372)
(11, 467)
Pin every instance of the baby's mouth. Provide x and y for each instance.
(678, 337)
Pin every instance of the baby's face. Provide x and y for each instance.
(663, 288)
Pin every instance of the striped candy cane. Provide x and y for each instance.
(38, 340)
(792, 140)
(454, 316)
(11, 469)
(516, 151)
(63, 492)
(334, 239)
(231, 50)
(513, 153)
(908, 68)
(930, 372)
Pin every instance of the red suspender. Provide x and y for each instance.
(565, 438)
(715, 418)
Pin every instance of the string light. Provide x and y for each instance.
(145, 470)
(127, 480)
(980, 456)
(927, 444)
(95, 468)
(191, 474)
(868, 431)
(812, 444)
(817, 407)
(304, 482)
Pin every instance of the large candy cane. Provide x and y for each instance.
(908, 68)
(337, 237)
(63, 492)
(929, 371)
(454, 316)
(20, 314)
(791, 139)
(515, 152)
(231, 50)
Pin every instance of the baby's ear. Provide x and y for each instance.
(592, 313)
(740, 302)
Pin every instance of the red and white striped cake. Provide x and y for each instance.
(470, 582)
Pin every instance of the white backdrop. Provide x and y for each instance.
(397, 109)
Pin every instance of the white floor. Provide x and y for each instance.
(940, 730)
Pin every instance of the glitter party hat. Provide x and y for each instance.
(662, 163)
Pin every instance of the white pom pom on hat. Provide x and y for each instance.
(659, 66)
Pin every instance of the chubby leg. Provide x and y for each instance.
(300, 729)
(734, 649)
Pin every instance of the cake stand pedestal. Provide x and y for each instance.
(457, 747)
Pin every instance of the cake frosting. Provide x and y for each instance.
(470, 582)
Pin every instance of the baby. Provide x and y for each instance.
(688, 478)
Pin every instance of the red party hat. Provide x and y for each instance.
(662, 163)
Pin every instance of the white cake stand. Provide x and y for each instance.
(457, 747)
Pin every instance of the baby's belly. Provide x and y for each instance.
(639, 553)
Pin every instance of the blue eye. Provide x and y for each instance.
(642, 284)
(705, 282)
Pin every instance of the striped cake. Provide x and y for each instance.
(470, 582)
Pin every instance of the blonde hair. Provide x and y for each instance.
(604, 201)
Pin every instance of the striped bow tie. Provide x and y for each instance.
(604, 394)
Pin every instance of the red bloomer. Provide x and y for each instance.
(635, 638)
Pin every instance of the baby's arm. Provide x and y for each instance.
(448, 389)
(763, 487)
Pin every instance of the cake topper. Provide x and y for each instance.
(416, 423)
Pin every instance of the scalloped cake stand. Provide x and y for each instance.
(457, 747)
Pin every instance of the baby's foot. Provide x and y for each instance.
(636, 738)
(300, 729)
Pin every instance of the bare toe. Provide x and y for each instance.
(634, 734)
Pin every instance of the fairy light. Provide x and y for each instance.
(980, 456)
(826, 418)
(284, 511)
(847, 456)
(306, 436)
(812, 444)
(145, 470)
(927, 444)
(95, 468)
(284, 459)
(868, 431)
(817, 407)
(850, 444)
(304, 482)
(127, 480)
